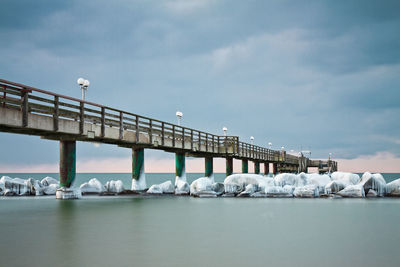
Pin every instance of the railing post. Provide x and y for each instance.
(218, 150)
(24, 108)
(121, 125)
(183, 138)
(162, 133)
(103, 122)
(173, 135)
(191, 139)
(206, 142)
(55, 114)
(137, 129)
(151, 131)
(213, 144)
(4, 96)
(81, 117)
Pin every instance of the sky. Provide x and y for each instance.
(307, 75)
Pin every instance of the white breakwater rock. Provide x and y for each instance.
(291, 179)
(278, 191)
(114, 187)
(181, 185)
(352, 191)
(94, 186)
(206, 187)
(237, 183)
(375, 182)
(334, 186)
(306, 191)
(250, 189)
(346, 178)
(48, 181)
(163, 188)
(16, 186)
(393, 188)
(320, 180)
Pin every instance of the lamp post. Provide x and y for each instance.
(225, 130)
(84, 84)
(252, 140)
(179, 115)
(270, 145)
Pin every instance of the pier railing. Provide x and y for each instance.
(159, 134)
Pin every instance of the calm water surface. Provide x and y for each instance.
(184, 231)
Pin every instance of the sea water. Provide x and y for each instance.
(186, 231)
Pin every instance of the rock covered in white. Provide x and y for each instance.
(114, 186)
(218, 188)
(236, 183)
(46, 181)
(51, 189)
(352, 191)
(306, 191)
(393, 188)
(320, 180)
(94, 186)
(155, 189)
(249, 190)
(278, 191)
(163, 188)
(291, 179)
(16, 186)
(201, 184)
(347, 178)
(68, 193)
(375, 182)
(334, 186)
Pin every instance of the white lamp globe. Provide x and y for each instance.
(86, 83)
(80, 81)
(179, 114)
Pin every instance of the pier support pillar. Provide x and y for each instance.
(275, 168)
(138, 174)
(67, 163)
(180, 165)
(209, 166)
(266, 168)
(256, 167)
(67, 170)
(245, 166)
(229, 166)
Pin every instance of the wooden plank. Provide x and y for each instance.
(183, 138)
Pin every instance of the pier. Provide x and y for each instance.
(32, 111)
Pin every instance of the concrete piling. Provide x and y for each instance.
(67, 163)
(209, 166)
(245, 166)
(229, 166)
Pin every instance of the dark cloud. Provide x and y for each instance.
(313, 74)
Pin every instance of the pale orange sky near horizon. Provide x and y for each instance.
(380, 162)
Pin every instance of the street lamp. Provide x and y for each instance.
(330, 156)
(252, 140)
(283, 148)
(270, 145)
(225, 130)
(179, 115)
(84, 84)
